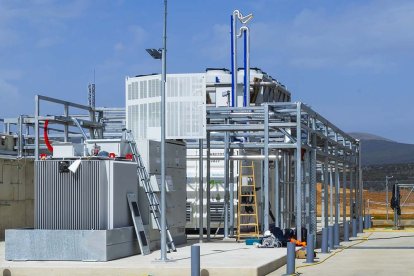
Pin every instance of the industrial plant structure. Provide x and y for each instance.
(240, 156)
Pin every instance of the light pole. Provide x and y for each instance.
(386, 192)
(162, 54)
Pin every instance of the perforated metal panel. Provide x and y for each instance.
(185, 106)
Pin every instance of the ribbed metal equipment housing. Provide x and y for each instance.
(64, 200)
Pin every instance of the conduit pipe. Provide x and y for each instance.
(244, 30)
(46, 136)
(236, 13)
(237, 157)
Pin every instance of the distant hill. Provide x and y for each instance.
(378, 150)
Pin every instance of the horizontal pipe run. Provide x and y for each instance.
(235, 157)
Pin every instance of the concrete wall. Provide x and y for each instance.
(16, 194)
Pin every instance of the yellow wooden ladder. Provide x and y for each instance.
(247, 219)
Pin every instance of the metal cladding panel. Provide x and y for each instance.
(69, 201)
(70, 245)
(185, 106)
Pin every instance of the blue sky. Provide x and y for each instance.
(352, 61)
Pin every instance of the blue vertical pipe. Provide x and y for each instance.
(233, 85)
(246, 89)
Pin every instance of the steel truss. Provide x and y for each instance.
(303, 146)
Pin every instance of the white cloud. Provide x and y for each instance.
(44, 18)
(119, 46)
(362, 35)
(11, 74)
(367, 36)
(9, 98)
(46, 42)
(215, 43)
(137, 34)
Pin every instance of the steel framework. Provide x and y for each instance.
(303, 147)
(105, 123)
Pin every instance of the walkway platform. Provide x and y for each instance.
(376, 252)
(217, 258)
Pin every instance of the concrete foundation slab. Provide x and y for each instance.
(373, 253)
(70, 245)
(217, 258)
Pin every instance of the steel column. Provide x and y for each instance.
(307, 201)
(298, 171)
(37, 108)
(312, 199)
(325, 188)
(266, 168)
(337, 199)
(66, 126)
(331, 219)
(361, 184)
(277, 194)
(231, 195)
(351, 193)
(20, 142)
(283, 214)
(200, 191)
(208, 190)
(344, 194)
(226, 185)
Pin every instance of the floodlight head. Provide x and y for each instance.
(156, 54)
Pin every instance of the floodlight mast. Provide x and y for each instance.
(163, 81)
(162, 55)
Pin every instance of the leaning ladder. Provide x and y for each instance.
(144, 178)
(247, 204)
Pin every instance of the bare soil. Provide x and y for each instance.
(375, 203)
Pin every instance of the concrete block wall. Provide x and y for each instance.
(16, 194)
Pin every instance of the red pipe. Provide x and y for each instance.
(49, 146)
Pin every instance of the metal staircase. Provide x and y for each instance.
(144, 178)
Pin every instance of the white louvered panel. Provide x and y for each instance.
(129, 91)
(185, 106)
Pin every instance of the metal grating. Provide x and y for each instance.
(66, 200)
